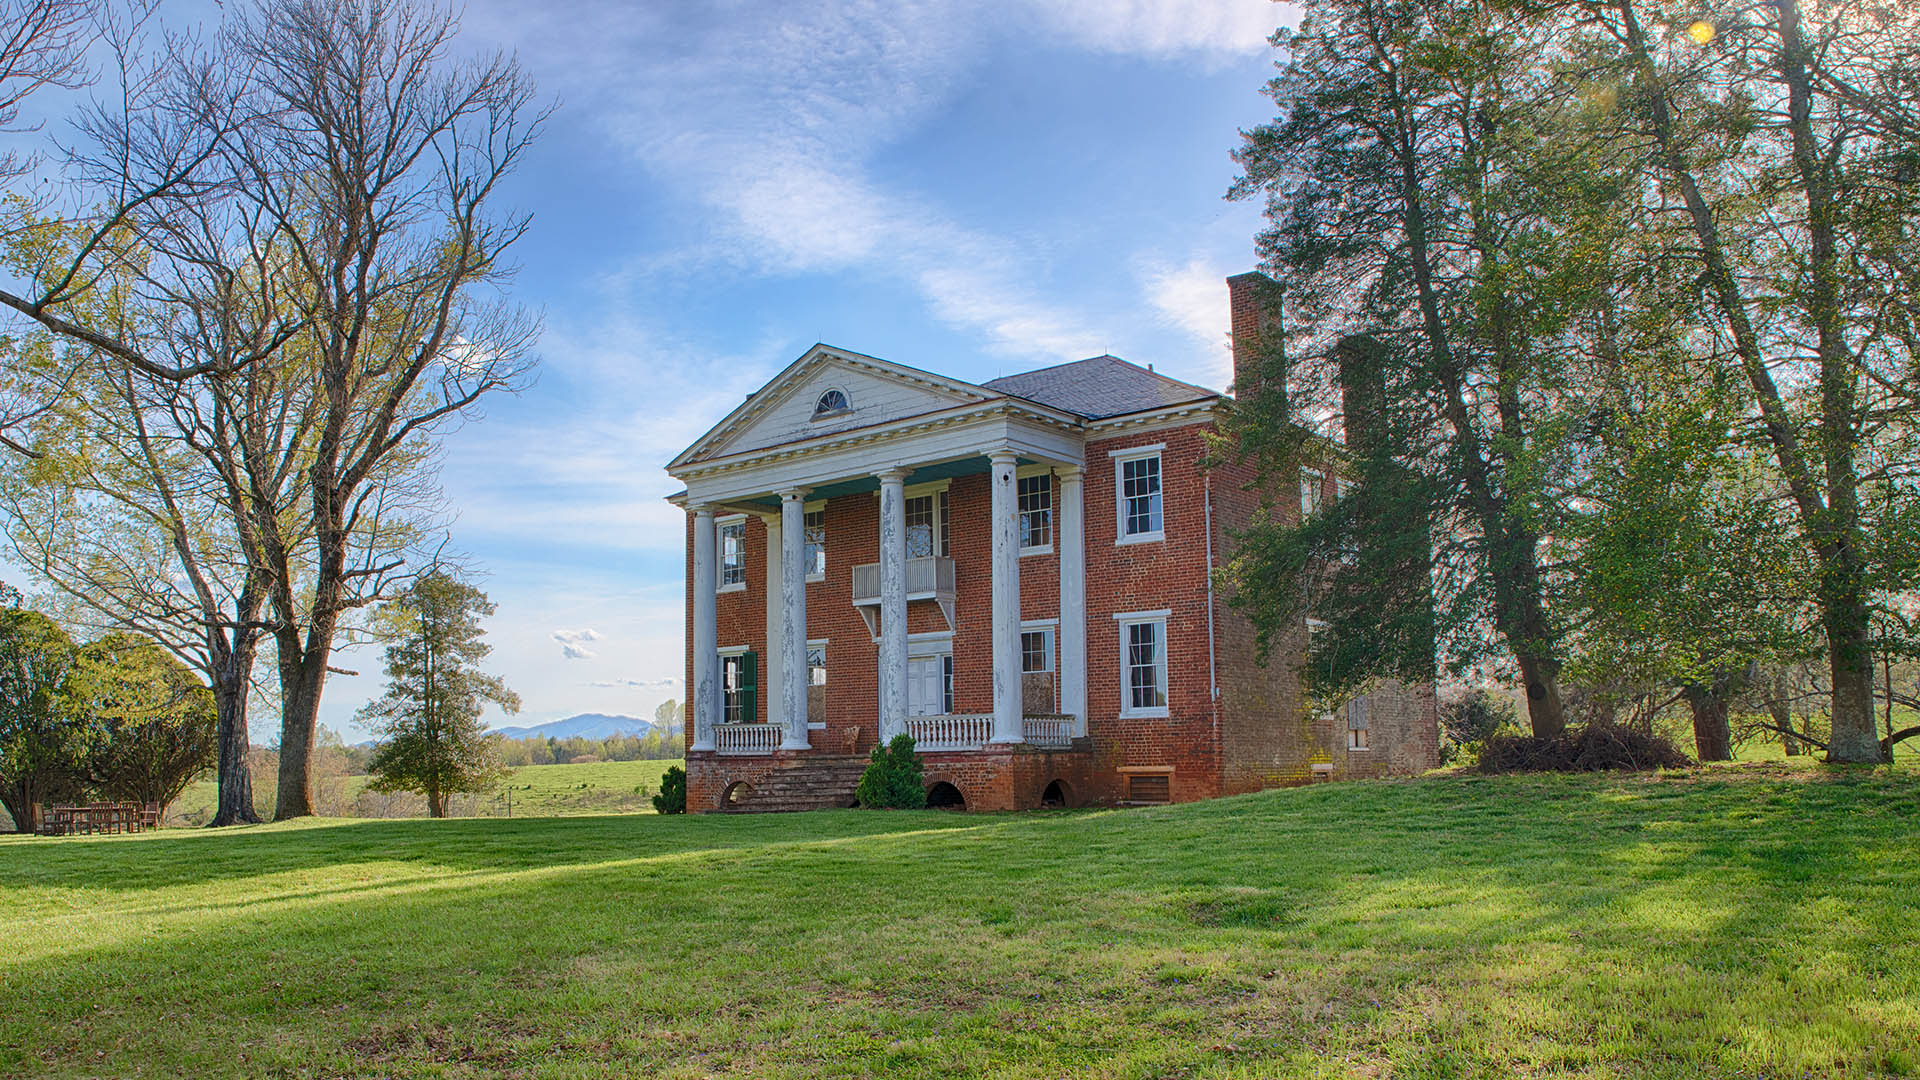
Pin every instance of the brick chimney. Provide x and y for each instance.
(1253, 300)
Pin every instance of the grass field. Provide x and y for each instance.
(602, 787)
(1733, 922)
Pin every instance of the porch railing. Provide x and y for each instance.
(967, 731)
(927, 576)
(1053, 731)
(971, 731)
(746, 738)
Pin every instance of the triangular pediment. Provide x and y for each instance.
(788, 409)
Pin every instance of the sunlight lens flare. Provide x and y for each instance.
(1701, 32)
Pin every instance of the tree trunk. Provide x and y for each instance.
(1712, 735)
(1540, 678)
(302, 678)
(1854, 738)
(436, 803)
(1782, 715)
(230, 678)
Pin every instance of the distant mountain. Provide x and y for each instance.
(586, 725)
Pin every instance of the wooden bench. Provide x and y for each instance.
(90, 818)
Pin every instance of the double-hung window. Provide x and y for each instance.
(927, 525)
(1036, 651)
(733, 554)
(1143, 663)
(739, 687)
(1036, 513)
(816, 536)
(816, 683)
(1137, 478)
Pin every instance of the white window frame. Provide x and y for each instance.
(1312, 494)
(1120, 459)
(1033, 472)
(821, 644)
(1051, 629)
(942, 518)
(846, 405)
(1129, 619)
(720, 526)
(725, 653)
(806, 512)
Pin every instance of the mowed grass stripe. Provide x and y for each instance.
(1743, 921)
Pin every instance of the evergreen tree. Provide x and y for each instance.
(432, 739)
(44, 740)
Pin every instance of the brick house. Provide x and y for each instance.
(1016, 573)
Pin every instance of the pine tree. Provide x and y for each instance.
(432, 740)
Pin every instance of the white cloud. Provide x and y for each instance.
(1193, 297)
(770, 114)
(573, 643)
(1168, 27)
(636, 684)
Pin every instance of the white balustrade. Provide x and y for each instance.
(972, 731)
(1053, 731)
(969, 731)
(740, 739)
(927, 576)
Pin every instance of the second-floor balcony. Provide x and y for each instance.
(929, 577)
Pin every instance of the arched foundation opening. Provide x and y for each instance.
(736, 795)
(944, 796)
(1057, 796)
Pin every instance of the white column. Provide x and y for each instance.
(893, 603)
(793, 605)
(705, 691)
(770, 666)
(1073, 599)
(1009, 714)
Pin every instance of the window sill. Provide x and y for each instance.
(1358, 749)
(1141, 538)
(1144, 714)
(813, 725)
(1043, 549)
(811, 578)
(742, 587)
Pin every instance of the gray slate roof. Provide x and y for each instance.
(1100, 387)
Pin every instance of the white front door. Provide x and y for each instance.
(926, 686)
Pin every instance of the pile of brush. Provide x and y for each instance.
(1587, 748)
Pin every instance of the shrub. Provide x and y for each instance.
(1471, 717)
(673, 792)
(893, 780)
(1588, 748)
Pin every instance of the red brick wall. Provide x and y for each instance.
(1169, 574)
(1257, 734)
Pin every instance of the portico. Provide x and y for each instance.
(968, 435)
(911, 569)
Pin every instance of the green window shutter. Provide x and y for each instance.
(749, 687)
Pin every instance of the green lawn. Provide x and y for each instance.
(1734, 922)
(603, 787)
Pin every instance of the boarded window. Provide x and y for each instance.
(1149, 788)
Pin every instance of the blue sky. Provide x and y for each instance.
(974, 189)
